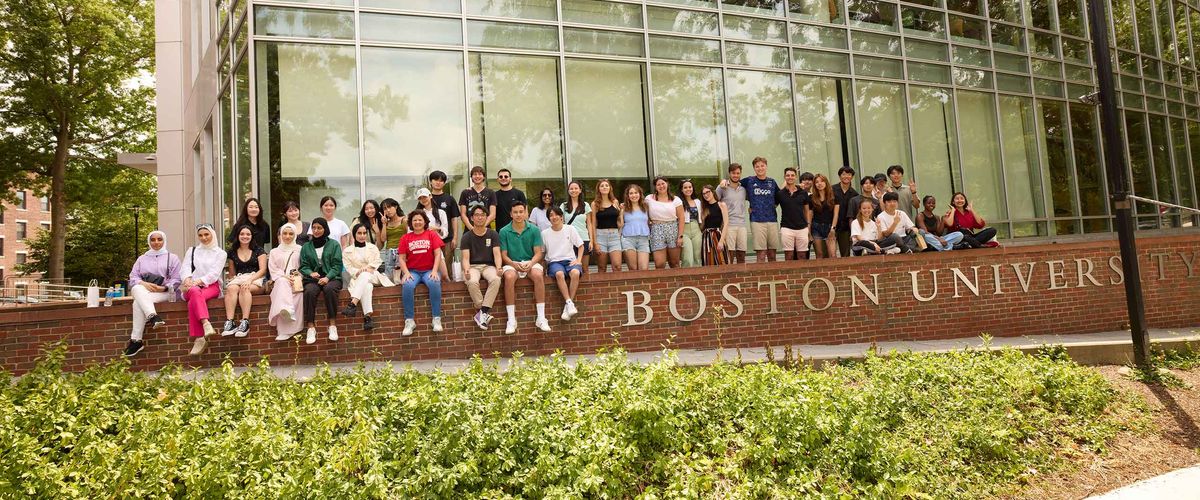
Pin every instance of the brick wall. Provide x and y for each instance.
(1059, 300)
(11, 245)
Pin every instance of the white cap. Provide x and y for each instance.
(423, 192)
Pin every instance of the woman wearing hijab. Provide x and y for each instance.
(321, 268)
(284, 263)
(201, 274)
(154, 277)
(362, 262)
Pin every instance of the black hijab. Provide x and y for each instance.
(319, 242)
(354, 238)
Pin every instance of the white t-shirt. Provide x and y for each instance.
(663, 211)
(443, 229)
(337, 229)
(868, 233)
(902, 228)
(560, 245)
(539, 218)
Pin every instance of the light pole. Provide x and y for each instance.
(137, 228)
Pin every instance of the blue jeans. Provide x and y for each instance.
(389, 261)
(951, 240)
(410, 288)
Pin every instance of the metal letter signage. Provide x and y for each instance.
(699, 297)
(644, 305)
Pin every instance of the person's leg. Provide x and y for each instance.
(843, 242)
(952, 239)
(435, 294)
(139, 313)
(660, 258)
(365, 296)
(198, 307)
(602, 259)
(587, 253)
(311, 291)
(232, 293)
(575, 275)
(145, 299)
(560, 277)
(969, 239)
(643, 259)
(407, 295)
(985, 235)
(493, 288)
(537, 276)
(787, 238)
(472, 278)
(245, 299)
(616, 258)
(802, 241)
(631, 259)
(673, 256)
(510, 286)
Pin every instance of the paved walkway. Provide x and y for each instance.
(1177, 485)
(1092, 348)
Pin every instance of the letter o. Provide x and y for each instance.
(828, 285)
(699, 296)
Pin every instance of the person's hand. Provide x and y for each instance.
(942, 241)
(912, 186)
(314, 275)
(406, 278)
(679, 240)
(434, 277)
(876, 245)
(575, 262)
(969, 208)
(720, 245)
(323, 281)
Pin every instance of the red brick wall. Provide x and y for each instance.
(1172, 300)
(33, 216)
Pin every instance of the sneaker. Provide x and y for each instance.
(208, 329)
(229, 329)
(991, 244)
(409, 327)
(892, 251)
(333, 333)
(437, 324)
(134, 347)
(569, 311)
(542, 324)
(154, 322)
(487, 320)
(243, 329)
(479, 320)
(511, 328)
(350, 311)
(199, 347)
(368, 323)
(311, 337)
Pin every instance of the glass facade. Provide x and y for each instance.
(362, 99)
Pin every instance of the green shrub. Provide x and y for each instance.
(948, 425)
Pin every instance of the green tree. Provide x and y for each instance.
(74, 94)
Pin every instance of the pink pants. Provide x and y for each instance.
(197, 302)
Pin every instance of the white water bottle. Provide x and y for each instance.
(108, 297)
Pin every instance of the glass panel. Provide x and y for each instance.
(511, 36)
(973, 7)
(1139, 164)
(607, 118)
(818, 36)
(823, 11)
(689, 121)
(407, 29)
(926, 50)
(1076, 50)
(1048, 88)
(309, 2)
(1089, 172)
(1039, 14)
(1166, 34)
(307, 113)
(825, 62)
(935, 154)
(1147, 44)
(1070, 17)
(606, 13)
(1011, 62)
(826, 123)
(241, 81)
(879, 112)
(760, 118)
(614, 43)
(972, 57)
(1182, 35)
(1183, 169)
(1079, 73)
(1005, 10)
(756, 55)
(923, 22)
(1122, 17)
(878, 66)
(515, 116)
(967, 30)
(282, 21)
(229, 200)
(525, 9)
(875, 43)
(872, 14)
(972, 78)
(1045, 45)
(1056, 158)
(1160, 149)
(1013, 83)
(754, 28)
(1150, 68)
(1005, 37)
(413, 119)
(1129, 62)
(1047, 68)
(685, 49)
(982, 178)
(712, 4)
(447, 6)
(682, 21)
(761, 7)
(924, 72)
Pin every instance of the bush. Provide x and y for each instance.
(909, 425)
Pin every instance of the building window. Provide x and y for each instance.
(45, 203)
(21, 257)
(1, 246)
(45, 226)
(21, 199)
(21, 230)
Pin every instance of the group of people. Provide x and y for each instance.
(505, 238)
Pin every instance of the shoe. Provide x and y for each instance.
(892, 251)
(288, 315)
(566, 315)
(333, 333)
(350, 311)
(409, 327)
(368, 323)
(991, 244)
(311, 337)
(134, 347)
(155, 321)
(229, 329)
(487, 320)
(569, 311)
(243, 329)
(479, 320)
(199, 347)
(511, 328)
(437, 324)
(542, 324)
(208, 329)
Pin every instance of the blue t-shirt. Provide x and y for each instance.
(760, 194)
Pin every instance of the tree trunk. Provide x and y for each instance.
(58, 210)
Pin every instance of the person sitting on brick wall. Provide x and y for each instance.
(866, 233)
(963, 218)
(420, 258)
(362, 261)
(155, 275)
(564, 252)
(481, 259)
(201, 281)
(521, 251)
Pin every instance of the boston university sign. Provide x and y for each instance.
(821, 293)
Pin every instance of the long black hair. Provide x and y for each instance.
(260, 229)
(363, 219)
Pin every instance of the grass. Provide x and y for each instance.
(962, 424)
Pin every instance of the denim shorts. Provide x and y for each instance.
(608, 240)
(564, 266)
(820, 231)
(635, 243)
(664, 235)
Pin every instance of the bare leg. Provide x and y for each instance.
(643, 260)
(615, 257)
(673, 256)
(660, 259)
(574, 284)
(632, 257)
(585, 262)
(561, 278)
(231, 300)
(510, 287)
(244, 300)
(539, 285)
(602, 261)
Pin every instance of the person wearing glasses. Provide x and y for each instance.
(505, 196)
(539, 216)
(481, 259)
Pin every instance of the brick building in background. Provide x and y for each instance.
(20, 224)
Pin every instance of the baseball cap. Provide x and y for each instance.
(423, 192)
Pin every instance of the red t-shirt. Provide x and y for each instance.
(965, 220)
(419, 249)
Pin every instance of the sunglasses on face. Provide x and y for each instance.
(503, 177)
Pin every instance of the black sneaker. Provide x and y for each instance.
(350, 311)
(134, 347)
(242, 329)
(155, 321)
(368, 323)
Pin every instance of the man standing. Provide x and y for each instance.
(445, 201)
(505, 196)
(477, 195)
(734, 195)
(521, 252)
(481, 259)
(909, 202)
(842, 193)
(760, 195)
(794, 206)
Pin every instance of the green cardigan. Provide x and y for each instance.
(329, 265)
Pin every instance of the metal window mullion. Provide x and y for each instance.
(358, 78)
(468, 87)
(1070, 138)
(1003, 161)
(564, 115)
(252, 100)
(648, 100)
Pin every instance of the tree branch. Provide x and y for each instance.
(125, 130)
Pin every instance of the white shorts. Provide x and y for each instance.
(520, 274)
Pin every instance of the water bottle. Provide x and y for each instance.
(172, 294)
(108, 296)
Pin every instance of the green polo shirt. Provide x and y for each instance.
(520, 246)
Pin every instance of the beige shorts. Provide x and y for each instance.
(520, 275)
(766, 235)
(794, 240)
(735, 239)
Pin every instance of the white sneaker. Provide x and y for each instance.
(333, 333)
(542, 324)
(511, 328)
(569, 311)
(409, 326)
(437, 324)
(311, 338)
(893, 251)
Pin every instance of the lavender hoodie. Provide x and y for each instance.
(165, 264)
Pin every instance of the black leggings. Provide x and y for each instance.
(330, 292)
(977, 239)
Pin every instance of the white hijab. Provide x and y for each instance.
(150, 248)
(211, 246)
(288, 247)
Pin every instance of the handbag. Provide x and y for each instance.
(294, 276)
(155, 278)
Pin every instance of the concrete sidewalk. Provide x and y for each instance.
(1177, 485)
(1090, 349)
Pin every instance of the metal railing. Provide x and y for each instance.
(23, 290)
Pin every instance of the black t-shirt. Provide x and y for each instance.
(261, 234)
(504, 201)
(606, 218)
(480, 247)
(822, 214)
(791, 207)
(713, 220)
(245, 267)
(446, 201)
(469, 198)
(846, 213)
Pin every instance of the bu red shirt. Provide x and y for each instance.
(418, 249)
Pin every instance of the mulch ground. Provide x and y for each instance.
(1170, 441)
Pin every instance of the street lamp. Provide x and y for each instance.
(137, 228)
